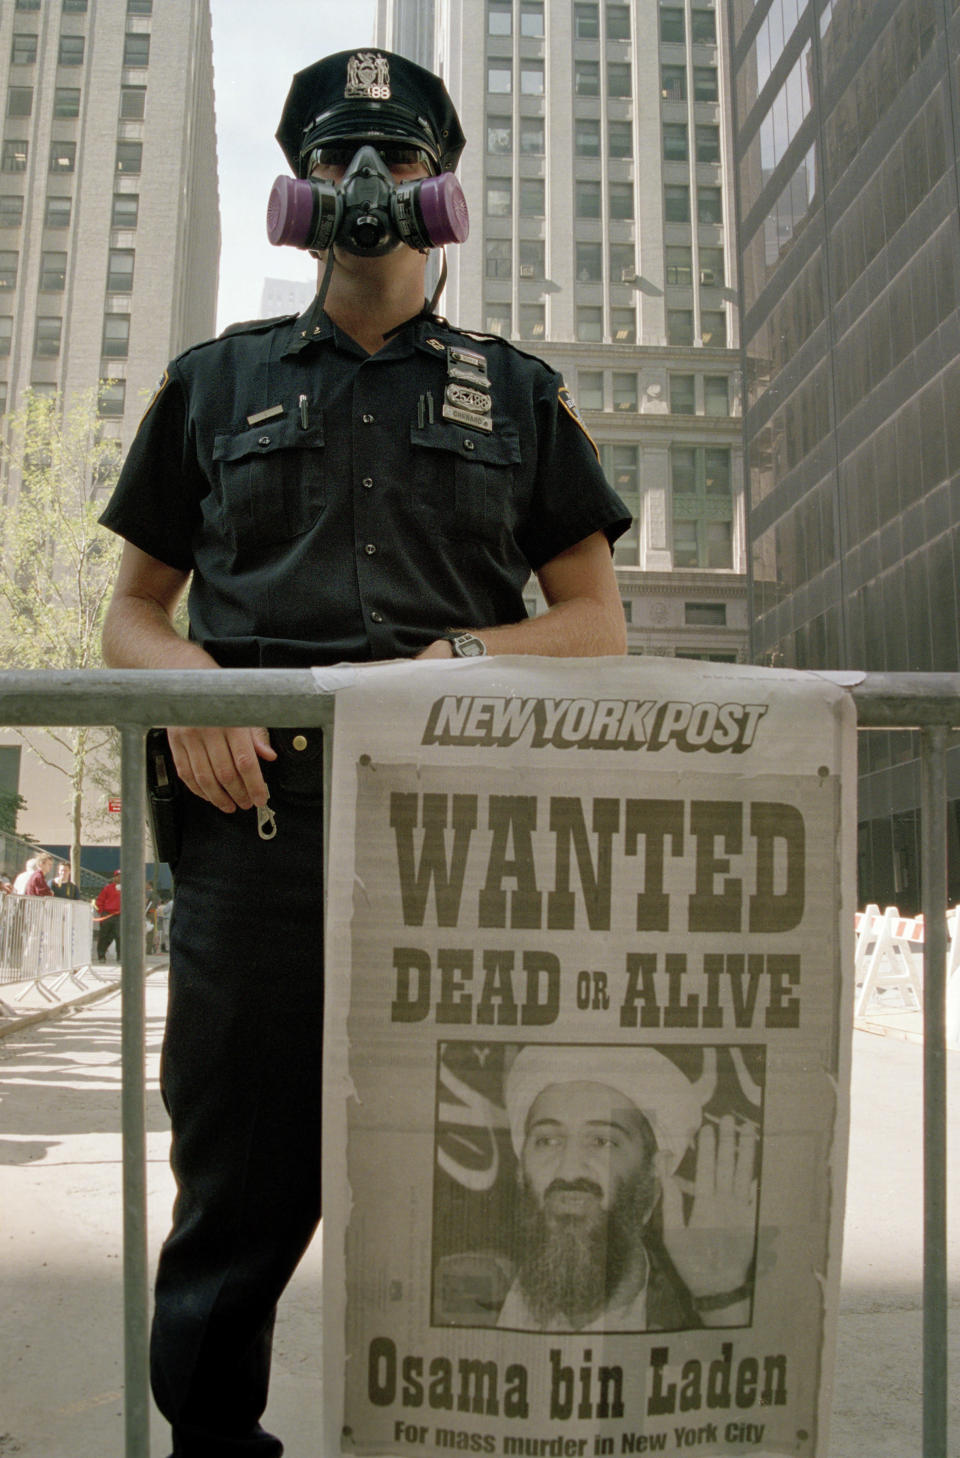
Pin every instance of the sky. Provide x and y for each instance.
(257, 47)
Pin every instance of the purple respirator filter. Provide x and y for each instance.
(427, 213)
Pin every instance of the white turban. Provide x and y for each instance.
(648, 1080)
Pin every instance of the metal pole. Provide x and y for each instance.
(133, 1098)
(933, 829)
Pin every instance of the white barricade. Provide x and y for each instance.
(889, 956)
(43, 937)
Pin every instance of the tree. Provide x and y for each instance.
(58, 567)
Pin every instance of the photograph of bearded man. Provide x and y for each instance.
(599, 1135)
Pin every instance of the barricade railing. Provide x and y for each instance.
(45, 943)
(136, 699)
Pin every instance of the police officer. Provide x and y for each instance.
(360, 483)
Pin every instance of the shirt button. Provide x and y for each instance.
(376, 617)
(370, 549)
(469, 445)
(264, 440)
(299, 741)
(367, 481)
(367, 419)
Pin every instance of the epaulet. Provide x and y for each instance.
(256, 326)
(507, 344)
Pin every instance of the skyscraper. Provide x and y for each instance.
(847, 155)
(109, 215)
(597, 173)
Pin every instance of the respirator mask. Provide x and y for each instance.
(366, 212)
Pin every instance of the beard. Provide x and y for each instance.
(576, 1261)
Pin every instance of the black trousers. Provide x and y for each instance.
(241, 1078)
(108, 933)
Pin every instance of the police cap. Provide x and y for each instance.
(369, 94)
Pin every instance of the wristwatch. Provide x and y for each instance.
(465, 645)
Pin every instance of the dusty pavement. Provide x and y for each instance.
(60, 1252)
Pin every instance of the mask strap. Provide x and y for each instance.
(324, 282)
(441, 282)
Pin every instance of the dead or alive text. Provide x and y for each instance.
(589, 1391)
(503, 987)
(649, 724)
(697, 865)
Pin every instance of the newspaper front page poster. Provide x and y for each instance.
(588, 1017)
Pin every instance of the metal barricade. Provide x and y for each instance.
(44, 942)
(136, 699)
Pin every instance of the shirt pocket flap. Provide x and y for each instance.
(499, 449)
(283, 433)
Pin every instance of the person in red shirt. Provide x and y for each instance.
(37, 880)
(107, 907)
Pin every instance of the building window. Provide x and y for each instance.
(120, 270)
(47, 340)
(531, 19)
(586, 78)
(621, 200)
(590, 389)
(711, 267)
(63, 156)
(532, 197)
(532, 321)
(673, 83)
(532, 136)
(129, 158)
(499, 17)
(703, 28)
(20, 101)
(586, 22)
(716, 395)
(713, 328)
(618, 22)
(498, 255)
(623, 263)
(587, 198)
(679, 326)
(531, 78)
(499, 197)
(589, 262)
(8, 269)
(23, 52)
(27, 5)
(13, 157)
(671, 25)
(136, 49)
(709, 205)
(57, 213)
(619, 79)
(71, 50)
(499, 136)
(708, 143)
(116, 336)
(702, 506)
(3, 411)
(682, 400)
(676, 202)
(66, 101)
(586, 133)
(705, 83)
(500, 78)
(11, 210)
(53, 272)
(111, 397)
(75, 7)
(531, 257)
(620, 139)
(623, 326)
(139, 7)
(6, 334)
(678, 263)
(675, 142)
(126, 206)
(705, 614)
(132, 102)
(625, 395)
(499, 320)
(620, 467)
(589, 324)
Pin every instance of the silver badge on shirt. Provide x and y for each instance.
(467, 398)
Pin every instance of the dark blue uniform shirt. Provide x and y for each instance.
(327, 509)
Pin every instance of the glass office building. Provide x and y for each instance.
(846, 154)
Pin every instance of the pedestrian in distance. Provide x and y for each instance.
(107, 920)
(364, 482)
(63, 886)
(36, 883)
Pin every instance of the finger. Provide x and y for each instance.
(261, 743)
(672, 1207)
(744, 1184)
(726, 1153)
(200, 757)
(704, 1179)
(239, 771)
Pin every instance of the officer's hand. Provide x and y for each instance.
(222, 765)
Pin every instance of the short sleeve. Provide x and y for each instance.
(156, 501)
(572, 497)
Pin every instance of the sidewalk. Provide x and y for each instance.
(60, 1249)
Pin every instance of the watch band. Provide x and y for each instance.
(464, 644)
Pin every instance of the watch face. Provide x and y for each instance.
(467, 646)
